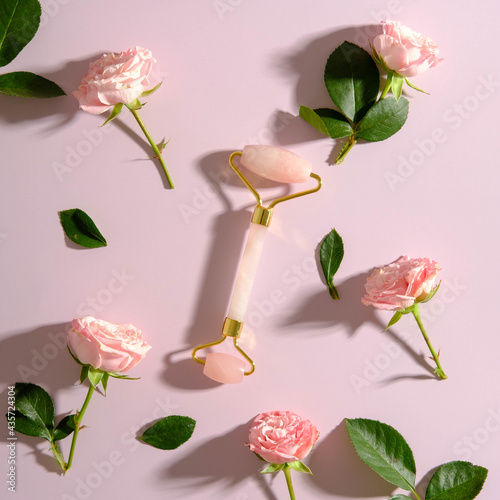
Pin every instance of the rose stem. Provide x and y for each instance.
(439, 370)
(347, 147)
(78, 420)
(288, 476)
(58, 456)
(153, 145)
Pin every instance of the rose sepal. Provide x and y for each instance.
(299, 466)
(415, 87)
(117, 108)
(273, 468)
(431, 294)
(147, 93)
(135, 105)
(398, 315)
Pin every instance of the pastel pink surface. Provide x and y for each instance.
(276, 164)
(224, 368)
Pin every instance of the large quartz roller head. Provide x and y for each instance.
(276, 164)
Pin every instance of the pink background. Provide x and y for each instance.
(235, 72)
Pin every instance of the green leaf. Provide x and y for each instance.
(117, 108)
(35, 404)
(65, 427)
(146, 93)
(170, 432)
(352, 80)
(384, 450)
(300, 467)
(26, 84)
(397, 85)
(273, 468)
(395, 318)
(80, 228)
(383, 119)
(400, 497)
(456, 481)
(95, 376)
(331, 254)
(19, 21)
(327, 121)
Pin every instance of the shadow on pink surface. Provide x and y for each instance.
(224, 459)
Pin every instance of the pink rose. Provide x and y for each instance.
(400, 284)
(282, 436)
(107, 347)
(114, 79)
(405, 51)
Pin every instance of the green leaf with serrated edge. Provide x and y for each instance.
(28, 427)
(146, 93)
(397, 86)
(395, 318)
(84, 373)
(384, 450)
(95, 376)
(456, 481)
(36, 405)
(431, 294)
(415, 87)
(170, 432)
(19, 21)
(352, 80)
(80, 228)
(400, 497)
(383, 119)
(64, 428)
(117, 108)
(300, 467)
(331, 254)
(328, 121)
(336, 123)
(26, 84)
(272, 468)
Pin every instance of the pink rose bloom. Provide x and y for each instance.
(107, 347)
(405, 51)
(282, 436)
(400, 284)
(114, 79)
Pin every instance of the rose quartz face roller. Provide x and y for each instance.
(278, 165)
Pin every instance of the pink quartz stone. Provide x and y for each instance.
(224, 368)
(274, 163)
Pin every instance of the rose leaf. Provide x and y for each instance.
(456, 481)
(331, 254)
(352, 80)
(384, 450)
(34, 411)
(26, 84)
(169, 432)
(383, 119)
(327, 121)
(65, 427)
(19, 22)
(80, 228)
